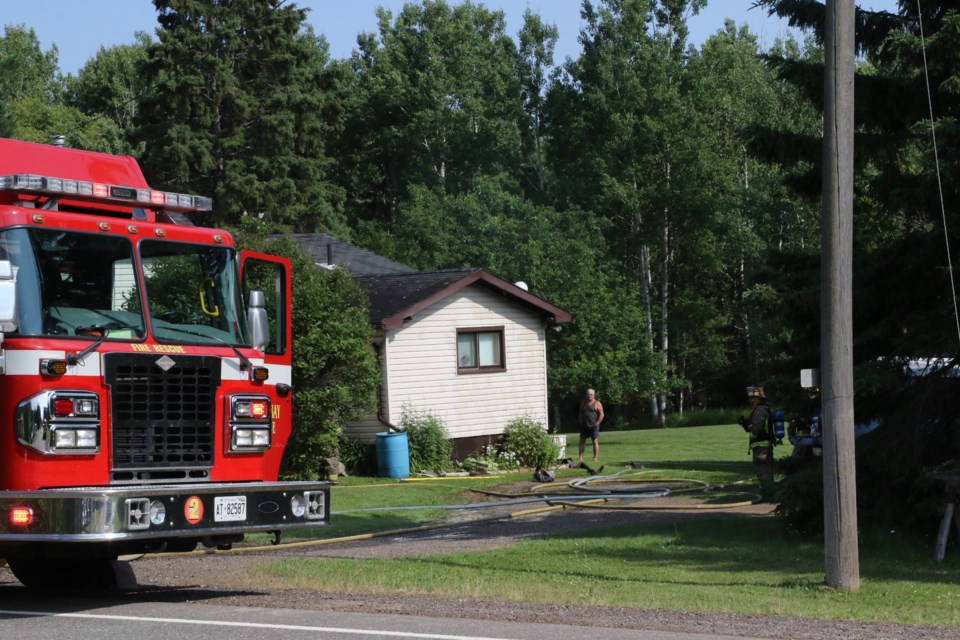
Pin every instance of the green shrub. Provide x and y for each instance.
(430, 449)
(705, 417)
(674, 420)
(529, 442)
(335, 373)
(360, 458)
(491, 459)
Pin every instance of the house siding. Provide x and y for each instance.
(420, 365)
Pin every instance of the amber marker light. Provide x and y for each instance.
(259, 374)
(21, 516)
(53, 367)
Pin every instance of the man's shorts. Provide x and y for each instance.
(587, 432)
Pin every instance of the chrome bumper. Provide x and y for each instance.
(95, 514)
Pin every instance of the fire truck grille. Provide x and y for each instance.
(163, 409)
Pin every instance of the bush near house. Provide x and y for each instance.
(359, 458)
(529, 442)
(491, 458)
(430, 448)
(335, 374)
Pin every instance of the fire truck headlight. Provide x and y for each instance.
(71, 438)
(250, 438)
(60, 422)
(250, 423)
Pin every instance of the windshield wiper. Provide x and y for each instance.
(244, 361)
(92, 331)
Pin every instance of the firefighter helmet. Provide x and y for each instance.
(755, 392)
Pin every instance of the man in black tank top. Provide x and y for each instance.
(590, 417)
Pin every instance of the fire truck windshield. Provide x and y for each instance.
(192, 293)
(74, 284)
(82, 285)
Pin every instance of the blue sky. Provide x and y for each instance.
(80, 27)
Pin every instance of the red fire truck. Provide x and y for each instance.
(145, 373)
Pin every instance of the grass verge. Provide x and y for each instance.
(713, 563)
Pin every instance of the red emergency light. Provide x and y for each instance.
(63, 407)
(106, 193)
(258, 409)
(21, 516)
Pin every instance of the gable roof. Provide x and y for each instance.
(395, 291)
(394, 298)
(327, 250)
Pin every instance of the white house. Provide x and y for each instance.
(465, 346)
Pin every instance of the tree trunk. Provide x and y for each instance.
(664, 316)
(665, 300)
(747, 328)
(648, 305)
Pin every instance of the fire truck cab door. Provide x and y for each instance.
(271, 275)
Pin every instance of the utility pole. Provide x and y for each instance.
(841, 550)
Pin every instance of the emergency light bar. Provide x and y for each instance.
(106, 193)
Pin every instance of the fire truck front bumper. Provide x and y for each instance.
(117, 514)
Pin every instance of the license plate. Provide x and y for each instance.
(230, 509)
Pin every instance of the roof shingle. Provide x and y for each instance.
(324, 249)
(396, 291)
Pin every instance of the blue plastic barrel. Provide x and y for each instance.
(393, 455)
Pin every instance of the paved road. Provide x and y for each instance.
(56, 619)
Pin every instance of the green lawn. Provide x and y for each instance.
(718, 562)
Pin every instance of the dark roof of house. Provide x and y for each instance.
(396, 291)
(395, 297)
(327, 250)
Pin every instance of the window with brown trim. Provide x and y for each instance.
(480, 350)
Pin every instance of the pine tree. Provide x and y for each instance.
(243, 111)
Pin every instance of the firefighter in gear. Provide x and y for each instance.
(760, 446)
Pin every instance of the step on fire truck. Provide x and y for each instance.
(145, 374)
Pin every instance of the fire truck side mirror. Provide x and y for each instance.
(258, 321)
(8, 297)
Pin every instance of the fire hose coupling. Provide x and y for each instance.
(65, 422)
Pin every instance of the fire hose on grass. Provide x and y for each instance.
(581, 493)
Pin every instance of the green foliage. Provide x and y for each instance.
(704, 417)
(440, 105)
(108, 86)
(899, 464)
(32, 105)
(654, 566)
(799, 496)
(360, 458)
(491, 458)
(528, 441)
(430, 447)
(243, 110)
(29, 72)
(335, 373)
